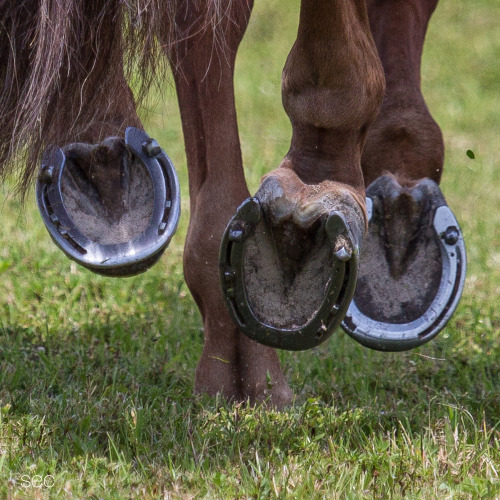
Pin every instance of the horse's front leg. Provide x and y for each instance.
(313, 217)
(231, 364)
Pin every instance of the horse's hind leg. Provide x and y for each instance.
(230, 364)
(64, 79)
(64, 86)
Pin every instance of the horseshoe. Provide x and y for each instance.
(384, 336)
(339, 291)
(122, 259)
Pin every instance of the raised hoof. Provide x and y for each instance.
(412, 268)
(291, 313)
(113, 207)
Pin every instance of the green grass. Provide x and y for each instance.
(96, 374)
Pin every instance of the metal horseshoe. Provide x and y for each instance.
(339, 292)
(122, 259)
(384, 336)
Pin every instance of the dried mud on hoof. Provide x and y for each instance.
(404, 298)
(134, 204)
(280, 294)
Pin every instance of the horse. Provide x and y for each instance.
(350, 229)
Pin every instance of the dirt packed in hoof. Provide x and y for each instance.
(276, 297)
(384, 298)
(85, 208)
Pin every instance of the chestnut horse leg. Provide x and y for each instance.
(332, 87)
(404, 139)
(230, 364)
(402, 162)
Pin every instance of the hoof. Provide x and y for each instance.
(412, 268)
(297, 313)
(115, 222)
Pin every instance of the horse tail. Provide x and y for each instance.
(65, 64)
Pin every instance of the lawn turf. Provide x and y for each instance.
(96, 374)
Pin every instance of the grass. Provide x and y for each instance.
(96, 374)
